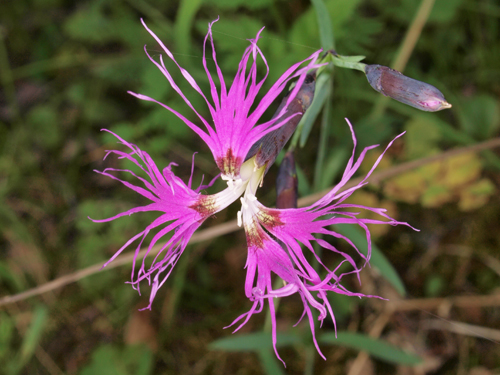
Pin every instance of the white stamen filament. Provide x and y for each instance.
(240, 220)
(235, 187)
(248, 182)
(251, 197)
(244, 204)
(249, 208)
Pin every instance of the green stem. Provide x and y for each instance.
(310, 355)
(323, 139)
(325, 25)
(183, 22)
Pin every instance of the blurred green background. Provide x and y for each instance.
(65, 68)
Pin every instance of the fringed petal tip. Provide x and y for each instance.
(406, 224)
(295, 227)
(234, 113)
(254, 41)
(146, 308)
(210, 24)
(94, 220)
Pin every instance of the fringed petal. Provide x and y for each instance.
(234, 128)
(276, 239)
(182, 210)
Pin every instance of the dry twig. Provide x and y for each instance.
(464, 329)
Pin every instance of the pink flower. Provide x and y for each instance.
(234, 128)
(182, 210)
(231, 136)
(274, 238)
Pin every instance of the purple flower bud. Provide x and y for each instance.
(286, 183)
(395, 85)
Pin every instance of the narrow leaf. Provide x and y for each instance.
(307, 121)
(32, 337)
(183, 24)
(375, 347)
(353, 59)
(325, 25)
(349, 62)
(252, 342)
(269, 362)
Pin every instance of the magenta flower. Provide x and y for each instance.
(183, 211)
(282, 254)
(233, 133)
(234, 129)
(274, 236)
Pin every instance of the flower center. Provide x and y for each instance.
(229, 165)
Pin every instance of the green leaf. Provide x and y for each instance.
(173, 126)
(353, 59)
(371, 131)
(6, 331)
(335, 164)
(138, 359)
(120, 71)
(349, 62)
(304, 185)
(307, 121)
(304, 30)
(233, 4)
(375, 347)
(11, 278)
(421, 137)
(89, 25)
(105, 360)
(444, 10)
(253, 342)
(183, 24)
(325, 25)
(326, 120)
(33, 336)
(378, 259)
(434, 285)
(154, 84)
(128, 30)
(42, 120)
(270, 363)
(343, 306)
(480, 116)
(111, 360)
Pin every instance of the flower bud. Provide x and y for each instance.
(269, 146)
(286, 183)
(395, 85)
